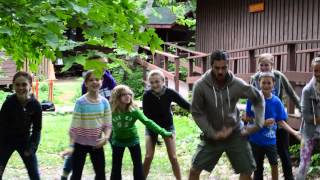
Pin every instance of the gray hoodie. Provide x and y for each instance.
(310, 105)
(213, 107)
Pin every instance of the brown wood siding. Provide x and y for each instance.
(229, 25)
(8, 69)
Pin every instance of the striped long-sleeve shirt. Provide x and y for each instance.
(90, 120)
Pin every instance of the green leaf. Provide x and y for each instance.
(81, 60)
(49, 54)
(95, 41)
(33, 67)
(5, 30)
(108, 41)
(68, 62)
(52, 40)
(49, 18)
(79, 9)
(33, 29)
(121, 62)
(95, 65)
(68, 45)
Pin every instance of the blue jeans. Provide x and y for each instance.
(30, 161)
(67, 167)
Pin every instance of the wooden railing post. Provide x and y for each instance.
(292, 63)
(311, 56)
(278, 62)
(177, 51)
(291, 50)
(252, 62)
(166, 67)
(204, 61)
(190, 71)
(176, 74)
(166, 63)
(144, 71)
(157, 60)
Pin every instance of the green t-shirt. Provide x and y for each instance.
(124, 130)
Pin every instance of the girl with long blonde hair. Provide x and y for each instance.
(124, 131)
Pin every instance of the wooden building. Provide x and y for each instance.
(289, 29)
(8, 68)
(247, 28)
(163, 20)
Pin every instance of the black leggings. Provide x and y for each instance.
(283, 152)
(30, 161)
(79, 159)
(117, 155)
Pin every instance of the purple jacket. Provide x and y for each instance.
(108, 83)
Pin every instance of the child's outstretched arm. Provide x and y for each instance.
(257, 101)
(249, 116)
(289, 129)
(177, 98)
(151, 124)
(68, 151)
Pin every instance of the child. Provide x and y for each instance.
(263, 142)
(124, 131)
(310, 102)
(157, 106)
(108, 83)
(281, 84)
(20, 125)
(90, 129)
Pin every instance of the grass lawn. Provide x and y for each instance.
(65, 91)
(55, 138)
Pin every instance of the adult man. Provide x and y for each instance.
(214, 110)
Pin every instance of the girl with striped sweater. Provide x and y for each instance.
(90, 129)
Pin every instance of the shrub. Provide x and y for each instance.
(134, 80)
(295, 150)
(177, 110)
(3, 96)
(183, 72)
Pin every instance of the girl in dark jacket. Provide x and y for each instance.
(157, 106)
(20, 125)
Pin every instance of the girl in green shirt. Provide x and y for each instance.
(124, 131)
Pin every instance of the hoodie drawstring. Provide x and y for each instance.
(228, 97)
(314, 113)
(215, 96)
